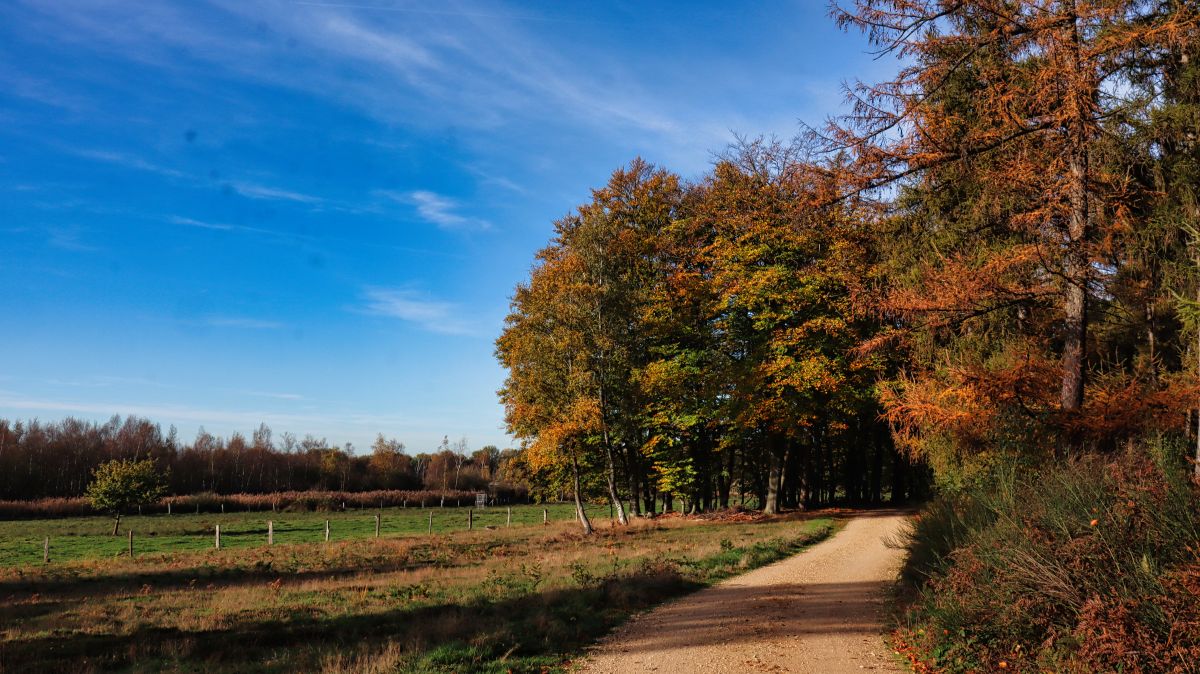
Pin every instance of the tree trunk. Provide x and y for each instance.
(579, 511)
(631, 474)
(774, 475)
(1075, 261)
(611, 476)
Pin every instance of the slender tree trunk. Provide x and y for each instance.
(774, 478)
(611, 476)
(1075, 262)
(631, 474)
(1076, 273)
(579, 510)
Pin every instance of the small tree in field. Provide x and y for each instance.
(123, 484)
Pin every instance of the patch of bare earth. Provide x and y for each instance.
(819, 611)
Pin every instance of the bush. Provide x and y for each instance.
(1090, 566)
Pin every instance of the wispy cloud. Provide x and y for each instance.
(69, 239)
(239, 322)
(408, 305)
(255, 191)
(437, 209)
(190, 222)
(128, 161)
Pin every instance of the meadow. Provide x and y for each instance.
(525, 598)
(80, 538)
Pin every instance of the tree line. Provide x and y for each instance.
(995, 253)
(59, 459)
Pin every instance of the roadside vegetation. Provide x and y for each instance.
(1091, 566)
(521, 599)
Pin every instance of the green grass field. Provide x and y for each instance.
(528, 598)
(81, 538)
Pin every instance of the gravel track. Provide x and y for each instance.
(818, 611)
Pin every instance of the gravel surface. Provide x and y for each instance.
(818, 611)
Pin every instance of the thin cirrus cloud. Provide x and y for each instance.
(437, 209)
(499, 69)
(408, 305)
(244, 188)
(254, 191)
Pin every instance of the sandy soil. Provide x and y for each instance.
(819, 611)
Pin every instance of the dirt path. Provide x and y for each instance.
(818, 611)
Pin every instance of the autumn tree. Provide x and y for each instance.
(549, 397)
(995, 134)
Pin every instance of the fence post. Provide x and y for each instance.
(431, 523)
(168, 507)
(508, 522)
(545, 516)
(131, 543)
(218, 538)
(326, 531)
(46, 551)
(377, 526)
(470, 519)
(270, 532)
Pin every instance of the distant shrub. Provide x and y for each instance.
(1091, 566)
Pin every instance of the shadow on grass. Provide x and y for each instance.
(546, 626)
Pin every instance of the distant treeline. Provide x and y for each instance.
(56, 459)
(289, 501)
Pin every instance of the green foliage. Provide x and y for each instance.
(118, 486)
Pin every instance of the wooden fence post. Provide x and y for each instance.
(326, 531)
(470, 519)
(270, 532)
(377, 526)
(508, 522)
(430, 523)
(131, 543)
(545, 516)
(218, 538)
(168, 507)
(222, 507)
(46, 551)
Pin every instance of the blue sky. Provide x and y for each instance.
(313, 214)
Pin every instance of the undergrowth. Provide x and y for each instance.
(1090, 566)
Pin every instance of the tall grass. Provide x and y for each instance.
(1089, 566)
